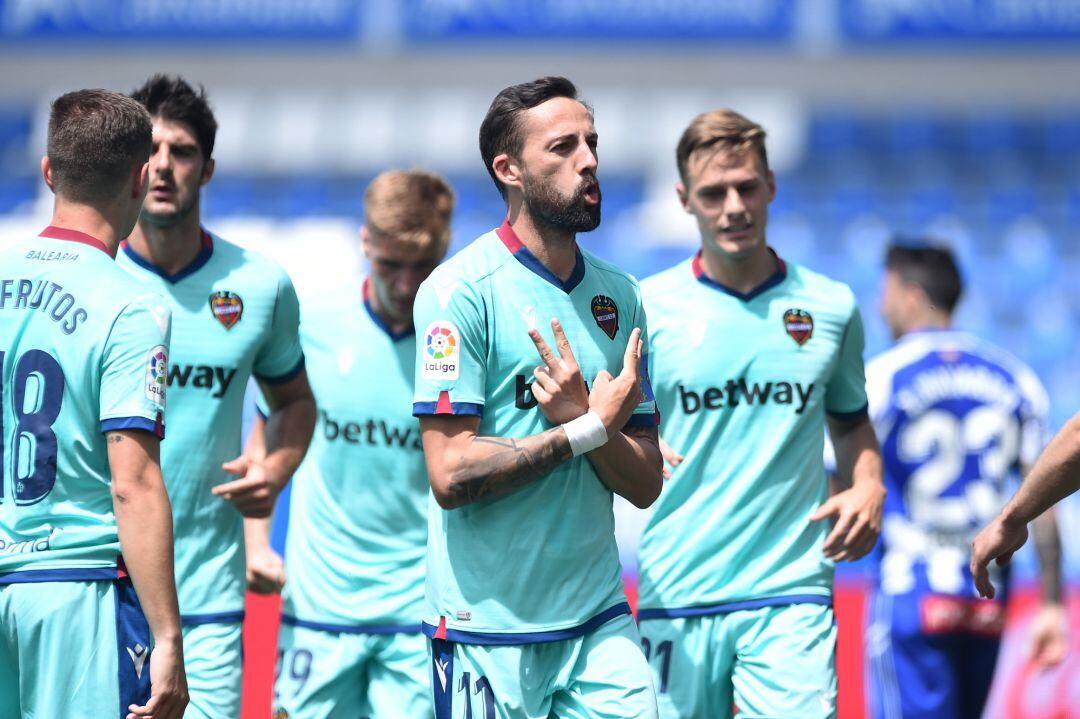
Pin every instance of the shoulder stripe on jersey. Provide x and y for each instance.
(644, 420)
(283, 378)
(197, 620)
(726, 607)
(154, 427)
(522, 254)
(445, 406)
(82, 574)
(62, 233)
(779, 276)
(850, 416)
(205, 253)
(504, 639)
(351, 628)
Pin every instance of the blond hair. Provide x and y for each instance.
(722, 130)
(411, 206)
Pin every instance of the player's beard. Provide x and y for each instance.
(568, 214)
(169, 219)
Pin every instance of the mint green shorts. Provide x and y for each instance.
(213, 660)
(72, 649)
(599, 675)
(350, 672)
(769, 662)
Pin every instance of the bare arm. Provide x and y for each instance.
(287, 436)
(858, 505)
(464, 468)
(1056, 475)
(265, 568)
(144, 525)
(631, 465)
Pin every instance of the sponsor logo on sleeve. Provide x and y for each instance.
(800, 325)
(442, 351)
(227, 307)
(157, 374)
(606, 314)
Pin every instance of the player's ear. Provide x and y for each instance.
(507, 170)
(365, 241)
(684, 195)
(140, 180)
(207, 171)
(46, 172)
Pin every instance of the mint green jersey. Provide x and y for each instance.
(83, 350)
(357, 535)
(743, 383)
(235, 314)
(540, 563)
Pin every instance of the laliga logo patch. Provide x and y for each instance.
(227, 307)
(800, 325)
(441, 341)
(157, 373)
(606, 314)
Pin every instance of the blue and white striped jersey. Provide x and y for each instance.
(956, 417)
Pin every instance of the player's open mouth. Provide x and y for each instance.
(592, 194)
(736, 230)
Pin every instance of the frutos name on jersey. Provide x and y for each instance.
(736, 391)
(43, 296)
(215, 379)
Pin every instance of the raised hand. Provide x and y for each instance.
(558, 386)
(616, 398)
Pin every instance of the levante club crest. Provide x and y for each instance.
(800, 325)
(606, 314)
(227, 307)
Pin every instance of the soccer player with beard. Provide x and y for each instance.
(526, 611)
(752, 356)
(235, 315)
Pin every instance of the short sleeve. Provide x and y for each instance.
(281, 358)
(845, 395)
(135, 368)
(451, 341)
(646, 414)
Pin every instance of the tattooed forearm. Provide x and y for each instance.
(507, 465)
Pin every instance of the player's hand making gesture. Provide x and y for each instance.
(558, 386)
(560, 391)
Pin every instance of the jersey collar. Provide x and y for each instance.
(62, 233)
(379, 320)
(205, 252)
(777, 277)
(522, 254)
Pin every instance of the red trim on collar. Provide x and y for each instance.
(365, 290)
(207, 240)
(699, 269)
(509, 237)
(62, 233)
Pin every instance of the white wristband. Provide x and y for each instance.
(586, 433)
